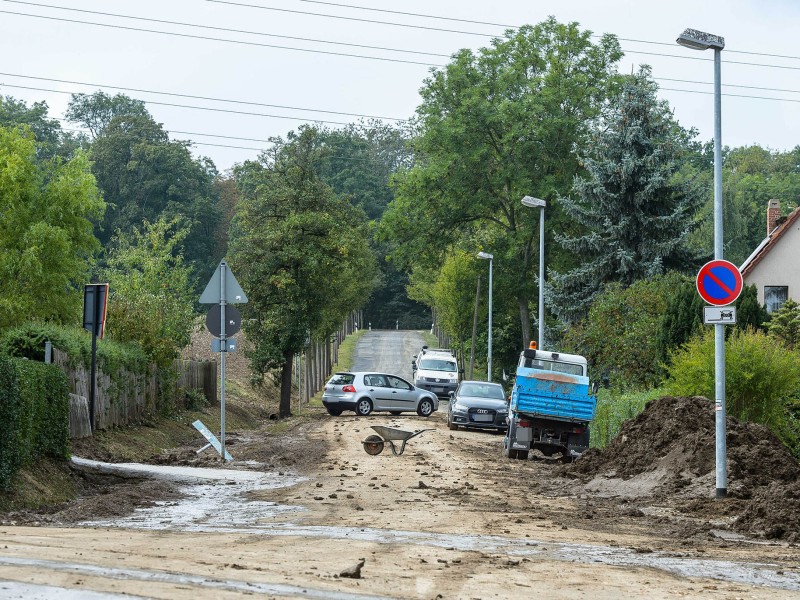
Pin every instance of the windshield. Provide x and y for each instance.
(552, 365)
(437, 364)
(342, 379)
(482, 390)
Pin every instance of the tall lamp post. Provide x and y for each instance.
(489, 359)
(538, 203)
(699, 40)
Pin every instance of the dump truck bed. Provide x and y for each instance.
(552, 395)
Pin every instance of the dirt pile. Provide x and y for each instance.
(668, 450)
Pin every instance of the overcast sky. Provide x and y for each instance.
(253, 69)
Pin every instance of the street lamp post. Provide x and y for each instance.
(489, 358)
(534, 203)
(699, 40)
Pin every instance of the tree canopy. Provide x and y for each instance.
(47, 241)
(495, 126)
(299, 251)
(636, 214)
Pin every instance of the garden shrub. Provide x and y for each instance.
(34, 415)
(762, 378)
(614, 407)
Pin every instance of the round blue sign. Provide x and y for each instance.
(719, 282)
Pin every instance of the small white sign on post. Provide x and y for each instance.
(719, 315)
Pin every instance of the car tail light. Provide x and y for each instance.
(350, 389)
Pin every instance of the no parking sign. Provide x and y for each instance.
(719, 282)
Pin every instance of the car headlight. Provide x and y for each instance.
(459, 408)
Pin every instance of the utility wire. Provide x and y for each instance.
(225, 29)
(367, 57)
(214, 39)
(730, 85)
(207, 108)
(127, 89)
(506, 26)
(329, 16)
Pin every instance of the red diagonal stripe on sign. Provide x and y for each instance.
(718, 282)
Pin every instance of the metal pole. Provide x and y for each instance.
(223, 344)
(719, 330)
(541, 278)
(489, 360)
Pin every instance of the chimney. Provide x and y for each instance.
(773, 214)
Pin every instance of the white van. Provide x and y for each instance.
(435, 370)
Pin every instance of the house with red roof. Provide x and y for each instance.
(774, 267)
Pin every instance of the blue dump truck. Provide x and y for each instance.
(551, 405)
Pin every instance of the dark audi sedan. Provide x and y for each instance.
(478, 404)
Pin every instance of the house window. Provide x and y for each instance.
(775, 296)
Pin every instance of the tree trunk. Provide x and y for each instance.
(525, 321)
(285, 408)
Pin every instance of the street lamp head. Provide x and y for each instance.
(533, 202)
(700, 40)
(485, 255)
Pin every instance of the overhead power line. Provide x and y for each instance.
(214, 39)
(308, 50)
(508, 26)
(206, 108)
(178, 95)
(225, 29)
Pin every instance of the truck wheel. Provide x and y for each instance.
(521, 454)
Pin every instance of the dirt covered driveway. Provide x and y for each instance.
(449, 518)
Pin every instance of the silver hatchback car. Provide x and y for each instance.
(364, 392)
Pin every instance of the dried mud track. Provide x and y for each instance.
(449, 518)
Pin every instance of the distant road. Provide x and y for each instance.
(388, 351)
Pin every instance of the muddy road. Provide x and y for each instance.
(308, 514)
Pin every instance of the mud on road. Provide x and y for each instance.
(450, 518)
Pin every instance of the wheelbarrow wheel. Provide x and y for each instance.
(373, 445)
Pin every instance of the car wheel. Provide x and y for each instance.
(452, 426)
(364, 407)
(395, 412)
(334, 412)
(425, 408)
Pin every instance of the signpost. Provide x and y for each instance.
(221, 290)
(95, 301)
(719, 283)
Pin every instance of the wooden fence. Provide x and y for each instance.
(131, 396)
(315, 365)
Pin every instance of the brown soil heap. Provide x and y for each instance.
(671, 446)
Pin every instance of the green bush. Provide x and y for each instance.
(614, 407)
(762, 378)
(34, 415)
(27, 341)
(12, 422)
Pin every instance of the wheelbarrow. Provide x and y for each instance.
(374, 443)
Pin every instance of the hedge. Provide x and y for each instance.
(34, 415)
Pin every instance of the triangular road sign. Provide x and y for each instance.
(233, 291)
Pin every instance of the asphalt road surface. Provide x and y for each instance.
(388, 351)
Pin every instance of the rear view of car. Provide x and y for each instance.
(339, 394)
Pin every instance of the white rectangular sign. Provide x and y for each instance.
(719, 315)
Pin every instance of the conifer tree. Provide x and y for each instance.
(634, 213)
(785, 324)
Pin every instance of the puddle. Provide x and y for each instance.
(211, 507)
